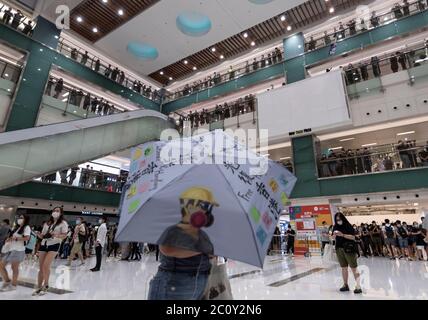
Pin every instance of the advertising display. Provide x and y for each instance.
(307, 221)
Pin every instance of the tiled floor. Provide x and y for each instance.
(283, 278)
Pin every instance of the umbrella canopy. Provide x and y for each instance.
(233, 212)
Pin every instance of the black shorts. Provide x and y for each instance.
(52, 248)
(28, 251)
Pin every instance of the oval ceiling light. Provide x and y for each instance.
(260, 1)
(193, 24)
(142, 51)
(79, 19)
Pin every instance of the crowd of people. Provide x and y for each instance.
(114, 73)
(15, 19)
(232, 73)
(220, 112)
(361, 72)
(359, 25)
(73, 242)
(356, 161)
(395, 240)
(88, 102)
(89, 178)
(54, 239)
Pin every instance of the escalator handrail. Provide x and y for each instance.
(75, 125)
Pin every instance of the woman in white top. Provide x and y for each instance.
(15, 246)
(54, 231)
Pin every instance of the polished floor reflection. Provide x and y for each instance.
(283, 278)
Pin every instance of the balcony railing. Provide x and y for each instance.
(74, 52)
(380, 159)
(88, 179)
(365, 77)
(77, 102)
(360, 25)
(273, 58)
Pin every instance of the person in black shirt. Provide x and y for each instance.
(7, 15)
(376, 239)
(406, 8)
(16, 21)
(97, 65)
(394, 64)
(346, 250)
(58, 88)
(291, 234)
(28, 27)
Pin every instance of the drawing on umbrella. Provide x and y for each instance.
(213, 207)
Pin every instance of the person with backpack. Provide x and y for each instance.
(15, 252)
(79, 236)
(390, 237)
(53, 232)
(403, 240)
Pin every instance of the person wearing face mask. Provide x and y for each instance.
(185, 250)
(375, 233)
(390, 237)
(53, 232)
(78, 238)
(403, 242)
(100, 242)
(15, 253)
(346, 251)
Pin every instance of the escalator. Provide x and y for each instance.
(31, 153)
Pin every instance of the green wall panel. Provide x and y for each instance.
(308, 184)
(295, 69)
(304, 167)
(29, 95)
(63, 193)
(377, 182)
(247, 80)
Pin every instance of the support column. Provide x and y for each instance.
(305, 167)
(294, 49)
(29, 96)
(46, 32)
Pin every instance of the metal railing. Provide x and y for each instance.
(87, 179)
(90, 103)
(237, 71)
(360, 25)
(9, 71)
(220, 112)
(383, 158)
(387, 64)
(15, 19)
(73, 51)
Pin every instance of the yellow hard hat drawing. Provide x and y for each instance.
(199, 193)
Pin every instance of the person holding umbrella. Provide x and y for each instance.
(185, 250)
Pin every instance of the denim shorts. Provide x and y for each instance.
(168, 285)
(391, 242)
(403, 242)
(13, 256)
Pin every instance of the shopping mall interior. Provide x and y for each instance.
(333, 94)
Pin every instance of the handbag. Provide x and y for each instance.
(330, 254)
(6, 248)
(218, 285)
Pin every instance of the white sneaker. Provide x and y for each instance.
(6, 287)
(43, 291)
(37, 292)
